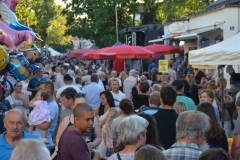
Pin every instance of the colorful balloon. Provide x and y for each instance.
(33, 54)
(20, 67)
(10, 19)
(3, 57)
(12, 4)
(8, 85)
(21, 40)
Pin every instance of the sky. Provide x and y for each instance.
(58, 2)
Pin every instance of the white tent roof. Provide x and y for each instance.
(226, 52)
(53, 52)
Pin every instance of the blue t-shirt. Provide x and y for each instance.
(151, 111)
(151, 66)
(4, 107)
(53, 107)
(6, 149)
(33, 83)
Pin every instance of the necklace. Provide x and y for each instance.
(75, 128)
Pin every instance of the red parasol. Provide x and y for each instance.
(120, 52)
(79, 52)
(118, 65)
(161, 49)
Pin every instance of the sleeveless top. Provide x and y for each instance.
(18, 104)
(91, 132)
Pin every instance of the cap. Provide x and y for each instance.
(178, 84)
(133, 71)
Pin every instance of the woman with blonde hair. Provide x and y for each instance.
(106, 130)
(193, 87)
(122, 76)
(179, 107)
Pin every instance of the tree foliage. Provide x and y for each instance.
(45, 19)
(96, 20)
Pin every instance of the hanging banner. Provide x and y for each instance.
(204, 66)
(163, 65)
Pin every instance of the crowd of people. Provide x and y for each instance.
(73, 109)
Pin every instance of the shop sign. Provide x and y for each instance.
(163, 65)
(178, 28)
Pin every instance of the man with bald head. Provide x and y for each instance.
(72, 144)
(15, 122)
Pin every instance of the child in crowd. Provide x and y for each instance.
(106, 130)
(40, 113)
(179, 107)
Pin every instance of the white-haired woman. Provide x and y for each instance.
(133, 135)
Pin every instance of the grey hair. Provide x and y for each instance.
(130, 128)
(190, 123)
(19, 111)
(112, 79)
(101, 73)
(30, 149)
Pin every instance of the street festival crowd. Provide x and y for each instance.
(73, 109)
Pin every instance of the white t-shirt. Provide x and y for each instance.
(60, 90)
(172, 73)
(118, 97)
(60, 83)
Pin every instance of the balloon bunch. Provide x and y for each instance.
(13, 34)
(18, 39)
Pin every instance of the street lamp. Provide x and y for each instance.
(116, 22)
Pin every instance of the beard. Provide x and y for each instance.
(204, 146)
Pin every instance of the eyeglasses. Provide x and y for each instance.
(78, 95)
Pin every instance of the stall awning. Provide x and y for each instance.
(161, 39)
(193, 35)
(226, 52)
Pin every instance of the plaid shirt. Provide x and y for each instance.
(183, 151)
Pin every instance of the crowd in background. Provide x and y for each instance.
(86, 110)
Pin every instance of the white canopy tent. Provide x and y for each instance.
(53, 52)
(226, 52)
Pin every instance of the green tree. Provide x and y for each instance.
(171, 10)
(95, 19)
(56, 32)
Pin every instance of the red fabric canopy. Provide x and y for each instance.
(161, 49)
(79, 52)
(119, 52)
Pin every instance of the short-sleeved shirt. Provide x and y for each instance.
(53, 107)
(92, 92)
(72, 146)
(60, 90)
(118, 97)
(188, 102)
(128, 85)
(172, 74)
(183, 150)
(115, 128)
(33, 83)
(123, 156)
(150, 67)
(6, 149)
